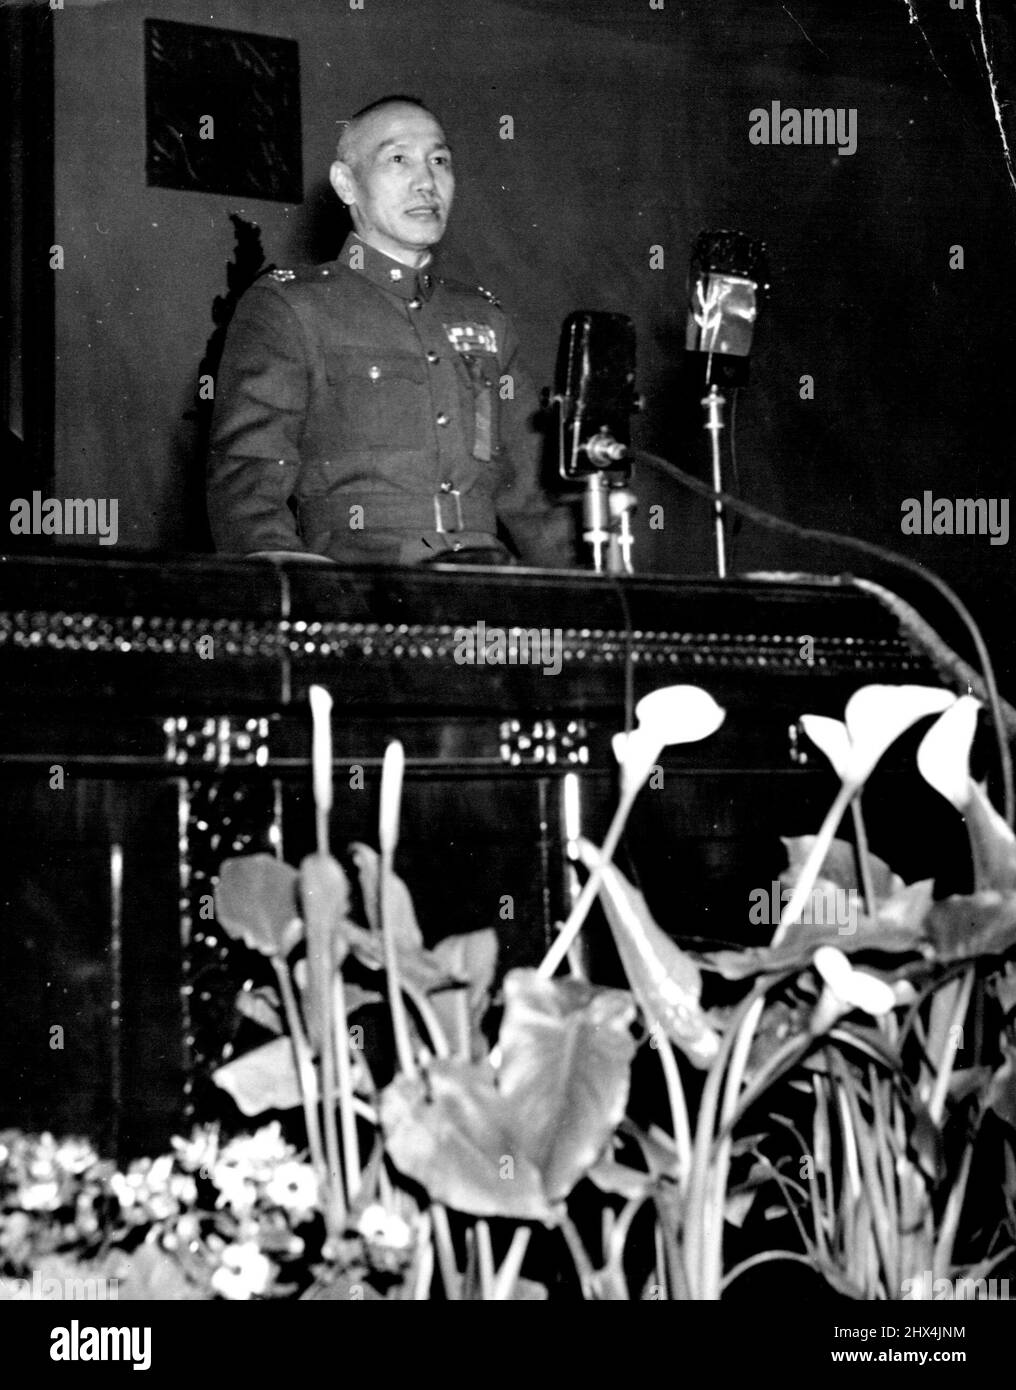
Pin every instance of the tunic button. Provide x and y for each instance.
(374, 373)
(433, 357)
(446, 487)
(416, 303)
(442, 419)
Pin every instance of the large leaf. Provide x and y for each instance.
(839, 866)
(453, 1133)
(981, 924)
(514, 1142)
(664, 979)
(1003, 986)
(566, 1050)
(404, 924)
(418, 967)
(900, 928)
(265, 1079)
(620, 1180)
(471, 957)
(1001, 1096)
(255, 902)
(992, 844)
(261, 1006)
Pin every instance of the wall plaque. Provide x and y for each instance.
(223, 112)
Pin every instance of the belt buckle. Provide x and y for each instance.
(439, 497)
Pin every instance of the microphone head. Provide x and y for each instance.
(594, 384)
(726, 283)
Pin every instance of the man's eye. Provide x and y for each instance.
(442, 159)
(397, 158)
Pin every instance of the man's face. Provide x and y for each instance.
(398, 182)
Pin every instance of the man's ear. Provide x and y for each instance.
(341, 178)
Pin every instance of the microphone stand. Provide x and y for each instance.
(607, 506)
(714, 404)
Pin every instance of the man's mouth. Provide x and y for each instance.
(424, 210)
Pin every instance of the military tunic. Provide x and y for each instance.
(371, 412)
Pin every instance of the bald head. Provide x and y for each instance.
(356, 131)
(394, 172)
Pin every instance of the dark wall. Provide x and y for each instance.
(630, 132)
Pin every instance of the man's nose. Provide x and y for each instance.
(424, 177)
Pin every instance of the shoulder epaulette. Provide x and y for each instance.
(286, 276)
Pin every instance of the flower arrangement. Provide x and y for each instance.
(851, 1082)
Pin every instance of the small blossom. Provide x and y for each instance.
(76, 1156)
(124, 1190)
(382, 1227)
(40, 1196)
(293, 1187)
(845, 989)
(201, 1150)
(261, 1149)
(244, 1272)
(237, 1189)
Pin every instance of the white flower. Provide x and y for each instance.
(184, 1189)
(382, 1227)
(943, 758)
(40, 1196)
(237, 1189)
(876, 716)
(76, 1155)
(845, 989)
(293, 1187)
(265, 1147)
(125, 1189)
(673, 714)
(42, 1160)
(243, 1273)
(199, 1151)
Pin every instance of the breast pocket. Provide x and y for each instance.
(379, 401)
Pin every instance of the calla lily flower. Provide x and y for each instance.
(831, 736)
(875, 717)
(943, 758)
(674, 714)
(845, 989)
(944, 762)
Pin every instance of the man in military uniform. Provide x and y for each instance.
(370, 410)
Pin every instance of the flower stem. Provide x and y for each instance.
(580, 911)
(863, 856)
(305, 1073)
(508, 1274)
(350, 1140)
(813, 864)
(445, 1252)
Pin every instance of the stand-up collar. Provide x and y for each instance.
(385, 272)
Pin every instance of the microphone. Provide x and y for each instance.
(595, 392)
(595, 395)
(726, 283)
(725, 286)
